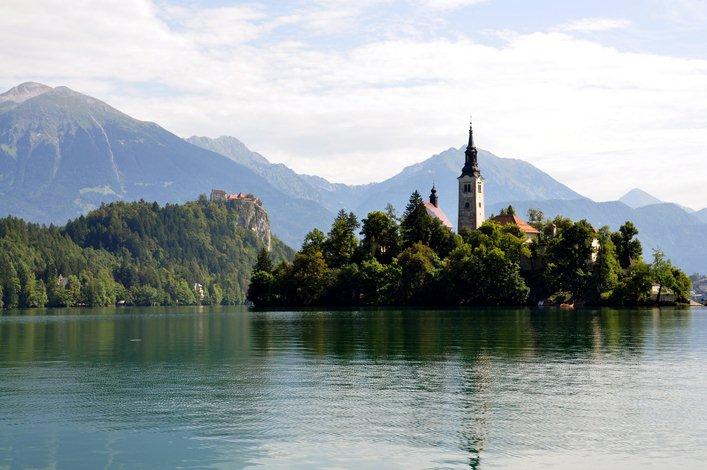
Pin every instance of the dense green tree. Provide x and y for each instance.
(260, 291)
(569, 259)
(419, 266)
(263, 263)
(663, 274)
(628, 247)
(314, 241)
(145, 295)
(634, 285)
(483, 276)
(308, 277)
(10, 282)
(415, 226)
(606, 270)
(341, 243)
(381, 239)
(379, 283)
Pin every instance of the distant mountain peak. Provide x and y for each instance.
(24, 91)
(639, 198)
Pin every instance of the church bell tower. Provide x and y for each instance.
(471, 190)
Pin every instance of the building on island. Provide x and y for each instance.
(471, 190)
(434, 211)
(531, 233)
(219, 195)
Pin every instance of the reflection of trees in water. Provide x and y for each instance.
(214, 335)
(434, 335)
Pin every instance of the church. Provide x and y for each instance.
(472, 211)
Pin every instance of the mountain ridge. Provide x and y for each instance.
(63, 153)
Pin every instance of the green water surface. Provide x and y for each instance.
(229, 388)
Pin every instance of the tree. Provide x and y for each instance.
(508, 211)
(605, 272)
(379, 282)
(536, 218)
(10, 282)
(314, 241)
(392, 212)
(662, 273)
(628, 247)
(415, 226)
(308, 278)
(260, 290)
(263, 263)
(634, 286)
(419, 265)
(483, 276)
(569, 263)
(381, 239)
(341, 243)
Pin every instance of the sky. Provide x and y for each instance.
(603, 95)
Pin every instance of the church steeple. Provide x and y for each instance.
(433, 196)
(471, 162)
(471, 190)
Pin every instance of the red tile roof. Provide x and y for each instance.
(438, 213)
(507, 219)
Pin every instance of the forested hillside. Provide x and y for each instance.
(138, 253)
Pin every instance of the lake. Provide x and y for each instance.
(225, 388)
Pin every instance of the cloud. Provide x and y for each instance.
(588, 25)
(358, 107)
(450, 4)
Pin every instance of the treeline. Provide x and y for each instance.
(415, 260)
(135, 253)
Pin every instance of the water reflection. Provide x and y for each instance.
(228, 387)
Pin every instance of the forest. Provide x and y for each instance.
(136, 253)
(414, 260)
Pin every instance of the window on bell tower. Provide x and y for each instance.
(479, 188)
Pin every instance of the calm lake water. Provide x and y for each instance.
(164, 388)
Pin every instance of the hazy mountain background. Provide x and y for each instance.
(62, 153)
(638, 198)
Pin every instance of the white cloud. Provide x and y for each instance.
(450, 4)
(594, 25)
(598, 119)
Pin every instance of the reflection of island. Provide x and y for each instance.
(397, 377)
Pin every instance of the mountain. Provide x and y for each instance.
(638, 198)
(63, 153)
(665, 226)
(332, 196)
(701, 214)
(507, 179)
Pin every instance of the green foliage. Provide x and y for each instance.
(421, 262)
(341, 243)
(634, 286)
(666, 276)
(381, 239)
(508, 211)
(570, 259)
(415, 226)
(137, 253)
(628, 247)
(314, 241)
